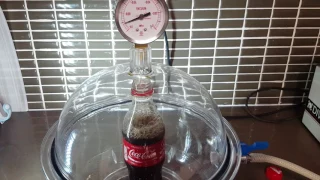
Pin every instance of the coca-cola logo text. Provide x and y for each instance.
(145, 155)
(142, 156)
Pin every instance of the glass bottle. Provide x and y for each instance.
(143, 135)
(143, 128)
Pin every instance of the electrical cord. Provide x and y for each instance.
(282, 109)
(266, 113)
(167, 48)
(257, 117)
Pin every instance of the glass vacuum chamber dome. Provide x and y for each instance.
(87, 142)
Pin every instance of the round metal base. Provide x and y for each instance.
(227, 171)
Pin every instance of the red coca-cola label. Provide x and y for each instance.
(143, 156)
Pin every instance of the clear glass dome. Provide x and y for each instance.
(88, 138)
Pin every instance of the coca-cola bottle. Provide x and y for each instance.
(143, 135)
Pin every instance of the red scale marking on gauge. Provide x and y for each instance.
(154, 27)
(155, 2)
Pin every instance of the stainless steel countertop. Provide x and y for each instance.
(21, 137)
(20, 142)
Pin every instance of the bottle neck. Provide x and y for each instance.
(142, 99)
(142, 88)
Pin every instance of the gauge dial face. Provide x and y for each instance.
(141, 21)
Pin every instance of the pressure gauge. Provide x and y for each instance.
(141, 21)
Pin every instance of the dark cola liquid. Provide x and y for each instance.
(145, 173)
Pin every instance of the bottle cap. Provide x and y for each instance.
(134, 92)
(274, 173)
(142, 89)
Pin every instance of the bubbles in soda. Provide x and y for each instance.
(144, 149)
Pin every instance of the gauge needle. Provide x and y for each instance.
(141, 16)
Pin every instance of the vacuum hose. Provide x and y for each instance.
(262, 158)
